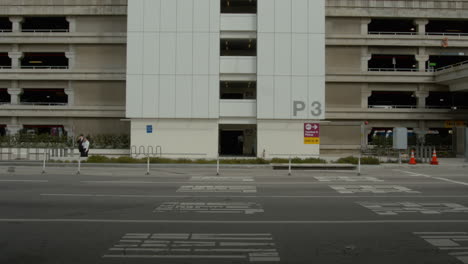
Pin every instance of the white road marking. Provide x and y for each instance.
(195, 246)
(411, 207)
(221, 179)
(434, 177)
(217, 189)
(31, 181)
(350, 189)
(213, 208)
(347, 179)
(260, 222)
(245, 196)
(448, 243)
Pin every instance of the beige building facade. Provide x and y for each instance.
(388, 63)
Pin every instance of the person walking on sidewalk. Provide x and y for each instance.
(79, 142)
(85, 146)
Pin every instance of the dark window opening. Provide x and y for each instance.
(383, 136)
(44, 96)
(447, 27)
(5, 97)
(5, 60)
(53, 130)
(404, 26)
(45, 24)
(238, 90)
(238, 47)
(439, 137)
(2, 130)
(382, 62)
(437, 61)
(38, 60)
(239, 6)
(238, 140)
(5, 24)
(392, 99)
(447, 100)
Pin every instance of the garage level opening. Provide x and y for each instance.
(393, 26)
(393, 62)
(53, 130)
(44, 97)
(5, 97)
(447, 27)
(40, 60)
(238, 47)
(239, 6)
(235, 90)
(45, 24)
(5, 24)
(238, 140)
(5, 60)
(440, 61)
(447, 100)
(2, 130)
(392, 99)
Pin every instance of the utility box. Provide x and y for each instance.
(400, 138)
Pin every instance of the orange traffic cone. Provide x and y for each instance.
(412, 159)
(434, 160)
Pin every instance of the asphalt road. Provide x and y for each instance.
(391, 215)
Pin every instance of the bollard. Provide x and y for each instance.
(79, 166)
(359, 165)
(217, 166)
(289, 168)
(44, 162)
(148, 166)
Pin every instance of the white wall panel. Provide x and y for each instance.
(134, 94)
(282, 97)
(201, 53)
(238, 22)
(152, 11)
(167, 63)
(283, 54)
(316, 55)
(300, 92)
(266, 97)
(317, 16)
(168, 16)
(283, 16)
(185, 15)
(201, 22)
(300, 52)
(183, 96)
(151, 95)
(135, 19)
(214, 54)
(184, 53)
(135, 48)
(266, 53)
(167, 93)
(317, 94)
(214, 96)
(266, 15)
(200, 97)
(151, 53)
(300, 16)
(215, 11)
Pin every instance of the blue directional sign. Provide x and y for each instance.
(149, 129)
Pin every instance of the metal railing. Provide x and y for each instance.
(395, 33)
(392, 33)
(34, 154)
(451, 66)
(43, 104)
(392, 106)
(148, 152)
(446, 34)
(44, 67)
(5, 67)
(6, 30)
(393, 70)
(44, 30)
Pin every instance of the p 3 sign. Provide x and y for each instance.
(316, 108)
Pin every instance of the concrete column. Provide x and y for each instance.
(365, 94)
(365, 25)
(16, 21)
(365, 63)
(15, 59)
(421, 24)
(71, 59)
(421, 98)
(72, 23)
(15, 95)
(13, 128)
(422, 60)
(71, 94)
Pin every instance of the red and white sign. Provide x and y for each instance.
(311, 133)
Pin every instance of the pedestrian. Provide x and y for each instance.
(79, 142)
(85, 145)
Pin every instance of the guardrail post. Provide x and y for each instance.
(148, 166)
(290, 167)
(44, 162)
(217, 166)
(79, 166)
(359, 165)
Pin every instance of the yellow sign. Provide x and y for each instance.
(452, 124)
(312, 141)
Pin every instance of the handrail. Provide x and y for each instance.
(393, 70)
(445, 34)
(45, 67)
(451, 66)
(392, 33)
(43, 103)
(5, 67)
(392, 106)
(6, 30)
(45, 30)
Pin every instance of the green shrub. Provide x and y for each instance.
(354, 160)
(98, 159)
(299, 160)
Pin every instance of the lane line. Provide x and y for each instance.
(32, 220)
(434, 177)
(32, 181)
(218, 183)
(248, 196)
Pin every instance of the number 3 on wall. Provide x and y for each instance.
(316, 109)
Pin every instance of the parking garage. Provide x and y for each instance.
(5, 60)
(238, 140)
(392, 99)
(392, 62)
(5, 24)
(44, 60)
(239, 6)
(5, 97)
(45, 24)
(392, 26)
(238, 90)
(44, 97)
(238, 47)
(447, 27)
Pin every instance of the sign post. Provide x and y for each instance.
(312, 134)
